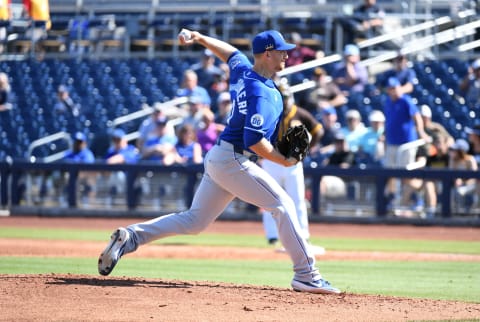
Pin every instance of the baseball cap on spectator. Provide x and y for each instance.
(460, 145)
(475, 130)
(353, 114)
(351, 50)
(426, 111)
(270, 40)
(329, 110)
(208, 53)
(62, 89)
(476, 64)
(392, 82)
(79, 136)
(118, 134)
(376, 116)
(223, 97)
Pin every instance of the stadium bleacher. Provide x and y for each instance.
(118, 83)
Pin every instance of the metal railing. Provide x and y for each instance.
(12, 177)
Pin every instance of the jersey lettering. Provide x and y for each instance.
(239, 88)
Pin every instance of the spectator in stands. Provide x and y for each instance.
(372, 143)
(5, 17)
(224, 108)
(191, 88)
(206, 70)
(65, 104)
(433, 129)
(366, 21)
(403, 124)
(461, 160)
(160, 147)
(330, 129)
(354, 130)
(38, 12)
(188, 151)
(147, 129)
(437, 160)
(208, 131)
(187, 148)
(434, 154)
(350, 75)
(80, 153)
(220, 83)
(325, 94)
(332, 186)
(474, 139)
(195, 108)
(402, 72)
(300, 53)
(470, 85)
(4, 93)
(120, 150)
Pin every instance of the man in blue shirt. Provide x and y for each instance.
(402, 72)
(230, 168)
(80, 153)
(403, 124)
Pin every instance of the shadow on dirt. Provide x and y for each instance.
(119, 282)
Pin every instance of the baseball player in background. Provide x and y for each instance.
(292, 178)
(230, 166)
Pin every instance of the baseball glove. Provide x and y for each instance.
(295, 142)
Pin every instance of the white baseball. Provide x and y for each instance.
(185, 34)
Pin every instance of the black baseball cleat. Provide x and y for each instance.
(114, 250)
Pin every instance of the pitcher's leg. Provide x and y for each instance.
(208, 203)
(254, 185)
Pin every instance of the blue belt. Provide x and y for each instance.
(251, 156)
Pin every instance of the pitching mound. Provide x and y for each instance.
(91, 298)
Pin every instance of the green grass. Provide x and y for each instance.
(350, 244)
(434, 280)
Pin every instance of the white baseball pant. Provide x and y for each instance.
(292, 180)
(229, 175)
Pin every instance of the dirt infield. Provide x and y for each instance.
(91, 298)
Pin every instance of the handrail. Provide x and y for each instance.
(47, 139)
(366, 43)
(147, 110)
(411, 47)
(409, 145)
(404, 31)
(469, 45)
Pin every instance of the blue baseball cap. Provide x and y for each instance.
(329, 110)
(79, 136)
(62, 89)
(118, 133)
(392, 82)
(270, 40)
(350, 50)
